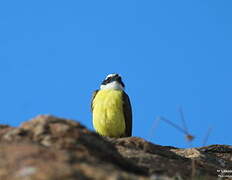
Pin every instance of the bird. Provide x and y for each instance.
(111, 108)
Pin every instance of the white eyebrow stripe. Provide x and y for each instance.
(110, 75)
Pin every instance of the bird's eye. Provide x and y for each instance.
(108, 80)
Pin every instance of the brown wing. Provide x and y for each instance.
(127, 114)
(93, 96)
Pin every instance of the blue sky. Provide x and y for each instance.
(54, 54)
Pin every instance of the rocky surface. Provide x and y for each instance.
(51, 148)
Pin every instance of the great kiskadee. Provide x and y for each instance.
(111, 108)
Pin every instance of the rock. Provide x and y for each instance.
(51, 148)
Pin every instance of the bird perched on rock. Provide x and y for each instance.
(111, 108)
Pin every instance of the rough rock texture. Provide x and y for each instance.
(51, 148)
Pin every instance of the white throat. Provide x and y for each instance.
(112, 85)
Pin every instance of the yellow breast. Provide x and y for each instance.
(108, 116)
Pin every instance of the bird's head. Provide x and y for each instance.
(112, 81)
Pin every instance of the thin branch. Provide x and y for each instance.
(207, 136)
(154, 125)
(183, 119)
(174, 125)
